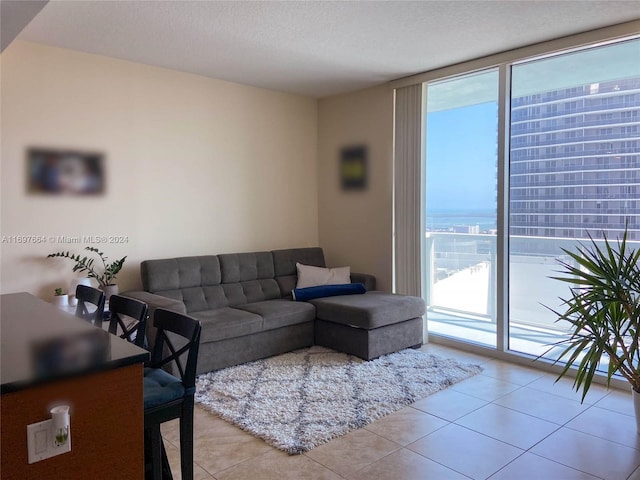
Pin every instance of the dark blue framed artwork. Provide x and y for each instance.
(353, 168)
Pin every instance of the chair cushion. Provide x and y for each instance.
(160, 387)
(280, 313)
(227, 322)
(369, 311)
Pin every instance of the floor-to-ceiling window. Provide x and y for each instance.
(574, 171)
(569, 167)
(461, 164)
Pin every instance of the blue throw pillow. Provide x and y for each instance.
(309, 293)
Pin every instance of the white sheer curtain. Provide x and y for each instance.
(408, 190)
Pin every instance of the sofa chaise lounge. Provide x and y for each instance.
(244, 303)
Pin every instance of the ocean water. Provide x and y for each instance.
(444, 220)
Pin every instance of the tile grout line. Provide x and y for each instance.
(439, 463)
(527, 450)
(240, 462)
(400, 447)
(177, 447)
(561, 426)
(564, 425)
(304, 454)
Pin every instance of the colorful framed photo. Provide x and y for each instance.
(64, 172)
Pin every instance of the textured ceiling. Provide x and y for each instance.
(315, 48)
(14, 15)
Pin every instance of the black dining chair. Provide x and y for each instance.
(90, 296)
(132, 328)
(167, 396)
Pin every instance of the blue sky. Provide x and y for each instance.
(461, 158)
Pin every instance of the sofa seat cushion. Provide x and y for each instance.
(281, 313)
(227, 322)
(369, 311)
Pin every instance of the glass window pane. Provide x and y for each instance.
(574, 171)
(461, 175)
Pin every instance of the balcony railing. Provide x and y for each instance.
(594, 137)
(541, 155)
(461, 276)
(563, 126)
(624, 87)
(521, 209)
(554, 182)
(597, 108)
(534, 195)
(541, 167)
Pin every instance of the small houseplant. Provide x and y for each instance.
(60, 298)
(105, 276)
(603, 311)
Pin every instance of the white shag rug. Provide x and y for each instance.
(302, 399)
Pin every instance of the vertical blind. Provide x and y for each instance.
(408, 192)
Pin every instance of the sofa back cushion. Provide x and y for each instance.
(284, 262)
(177, 273)
(248, 277)
(212, 281)
(195, 281)
(227, 280)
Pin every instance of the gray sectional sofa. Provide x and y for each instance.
(244, 303)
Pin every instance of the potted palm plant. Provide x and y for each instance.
(106, 279)
(603, 311)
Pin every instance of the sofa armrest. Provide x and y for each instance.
(155, 301)
(368, 280)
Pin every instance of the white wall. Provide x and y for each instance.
(356, 227)
(194, 165)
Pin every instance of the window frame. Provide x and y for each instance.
(504, 62)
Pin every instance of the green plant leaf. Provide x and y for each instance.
(603, 311)
(86, 264)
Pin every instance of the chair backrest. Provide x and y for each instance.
(89, 295)
(167, 322)
(121, 307)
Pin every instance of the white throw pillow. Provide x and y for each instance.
(309, 276)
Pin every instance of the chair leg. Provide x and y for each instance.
(166, 468)
(156, 452)
(186, 440)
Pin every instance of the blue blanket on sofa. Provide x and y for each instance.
(309, 293)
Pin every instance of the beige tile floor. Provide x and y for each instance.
(508, 423)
